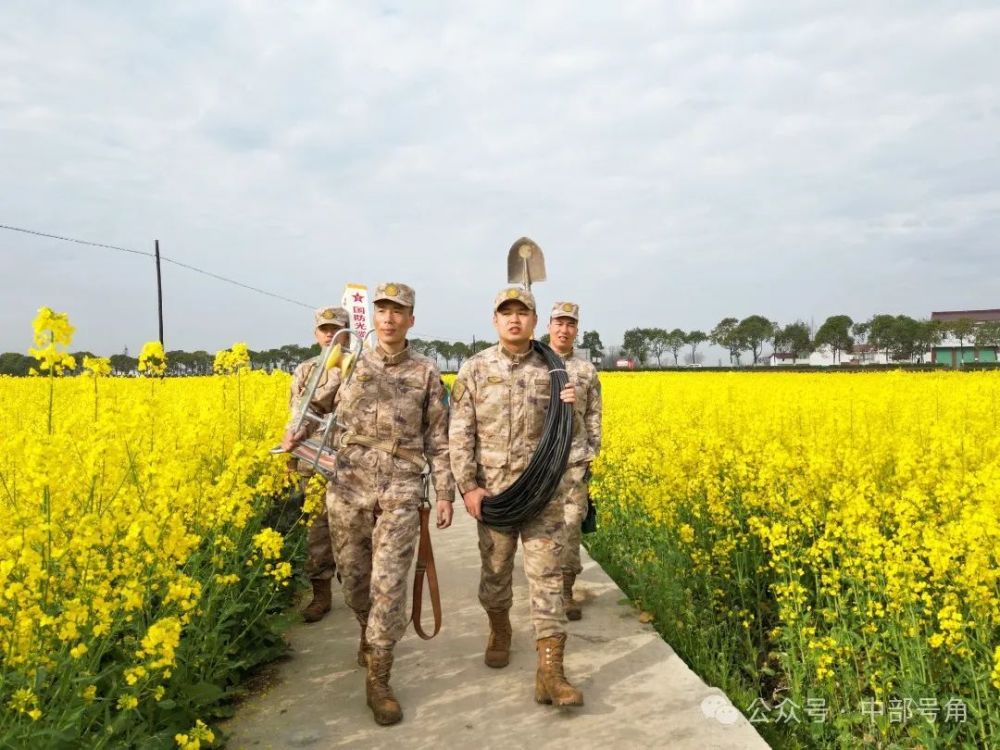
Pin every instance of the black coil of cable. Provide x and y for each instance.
(532, 491)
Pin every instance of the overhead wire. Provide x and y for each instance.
(164, 258)
(181, 264)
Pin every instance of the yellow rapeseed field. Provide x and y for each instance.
(825, 542)
(136, 570)
(824, 546)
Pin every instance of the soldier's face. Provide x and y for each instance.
(392, 322)
(562, 333)
(325, 333)
(515, 323)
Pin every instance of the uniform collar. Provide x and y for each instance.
(514, 357)
(567, 355)
(392, 359)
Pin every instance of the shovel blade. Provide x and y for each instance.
(525, 262)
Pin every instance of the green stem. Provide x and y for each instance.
(52, 380)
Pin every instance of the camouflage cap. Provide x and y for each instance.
(565, 310)
(514, 293)
(330, 316)
(401, 294)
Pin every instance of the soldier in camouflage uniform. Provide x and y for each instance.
(320, 565)
(391, 419)
(564, 324)
(498, 406)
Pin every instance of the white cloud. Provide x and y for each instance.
(678, 163)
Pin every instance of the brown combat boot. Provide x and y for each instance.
(381, 701)
(321, 601)
(572, 607)
(498, 646)
(363, 647)
(551, 685)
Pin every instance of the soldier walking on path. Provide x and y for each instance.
(320, 564)
(564, 324)
(498, 408)
(391, 417)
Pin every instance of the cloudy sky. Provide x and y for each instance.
(678, 162)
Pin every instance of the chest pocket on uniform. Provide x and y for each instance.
(538, 396)
(359, 402)
(409, 406)
(493, 408)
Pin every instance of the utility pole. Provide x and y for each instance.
(159, 291)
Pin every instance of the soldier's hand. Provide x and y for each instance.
(568, 394)
(291, 440)
(445, 512)
(474, 502)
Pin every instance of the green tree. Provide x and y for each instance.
(478, 346)
(78, 356)
(656, 342)
(202, 361)
(635, 344)
(461, 351)
(179, 362)
(692, 339)
(419, 346)
(675, 342)
(592, 341)
(988, 336)
(724, 335)
(860, 333)
(794, 339)
(963, 329)
(123, 364)
(926, 335)
(836, 333)
(15, 363)
(904, 333)
(881, 333)
(438, 349)
(546, 339)
(447, 351)
(752, 333)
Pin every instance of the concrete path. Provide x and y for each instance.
(638, 692)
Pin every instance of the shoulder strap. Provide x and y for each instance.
(425, 564)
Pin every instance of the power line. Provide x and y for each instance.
(182, 265)
(71, 239)
(162, 257)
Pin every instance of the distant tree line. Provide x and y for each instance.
(900, 337)
(179, 362)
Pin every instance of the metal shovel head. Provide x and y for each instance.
(525, 256)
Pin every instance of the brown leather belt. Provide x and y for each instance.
(425, 564)
(391, 447)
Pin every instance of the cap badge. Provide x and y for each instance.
(327, 315)
(513, 294)
(392, 290)
(567, 307)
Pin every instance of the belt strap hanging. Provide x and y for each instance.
(425, 566)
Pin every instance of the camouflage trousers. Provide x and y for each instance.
(320, 564)
(544, 540)
(573, 496)
(374, 554)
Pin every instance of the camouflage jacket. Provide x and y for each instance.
(498, 406)
(587, 410)
(398, 400)
(323, 396)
